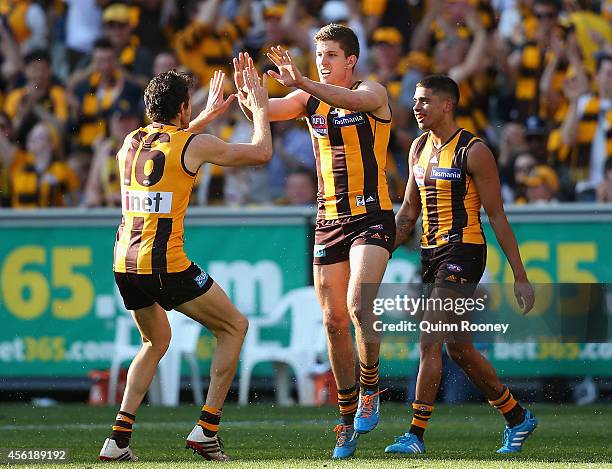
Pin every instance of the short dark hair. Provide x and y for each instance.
(441, 84)
(164, 95)
(343, 35)
(601, 58)
(37, 55)
(103, 43)
(551, 3)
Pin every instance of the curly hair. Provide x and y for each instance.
(164, 95)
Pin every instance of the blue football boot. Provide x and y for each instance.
(408, 443)
(368, 413)
(514, 437)
(346, 441)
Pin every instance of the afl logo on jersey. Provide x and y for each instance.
(318, 123)
(419, 174)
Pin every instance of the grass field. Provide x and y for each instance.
(264, 436)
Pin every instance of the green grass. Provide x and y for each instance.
(264, 436)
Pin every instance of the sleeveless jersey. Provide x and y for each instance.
(155, 190)
(450, 201)
(351, 154)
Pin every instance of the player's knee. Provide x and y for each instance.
(336, 324)
(357, 314)
(242, 326)
(160, 343)
(456, 352)
(429, 349)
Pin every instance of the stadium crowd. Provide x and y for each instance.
(535, 78)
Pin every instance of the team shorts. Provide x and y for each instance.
(167, 290)
(335, 238)
(457, 266)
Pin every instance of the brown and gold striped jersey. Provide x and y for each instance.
(351, 153)
(155, 190)
(450, 201)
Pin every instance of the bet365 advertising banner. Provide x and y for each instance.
(58, 303)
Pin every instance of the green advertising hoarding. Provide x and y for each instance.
(58, 303)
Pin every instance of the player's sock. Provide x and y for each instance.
(209, 420)
(122, 429)
(368, 377)
(512, 411)
(347, 402)
(420, 418)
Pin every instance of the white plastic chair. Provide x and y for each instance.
(301, 353)
(166, 385)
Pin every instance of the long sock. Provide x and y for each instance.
(122, 429)
(347, 402)
(420, 418)
(512, 411)
(368, 377)
(210, 418)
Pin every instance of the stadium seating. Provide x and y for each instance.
(305, 334)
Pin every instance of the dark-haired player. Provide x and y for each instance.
(451, 173)
(157, 166)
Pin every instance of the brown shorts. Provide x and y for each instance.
(458, 266)
(335, 238)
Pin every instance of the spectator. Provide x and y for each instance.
(94, 94)
(536, 136)
(587, 130)
(40, 99)
(27, 22)
(103, 186)
(133, 56)
(514, 190)
(528, 62)
(83, 27)
(604, 190)
(300, 188)
(541, 185)
(207, 43)
(165, 61)
(38, 177)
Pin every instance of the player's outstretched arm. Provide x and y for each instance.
(208, 148)
(290, 107)
(215, 105)
(368, 97)
(482, 167)
(409, 212)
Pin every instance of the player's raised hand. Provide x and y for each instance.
(256, 90)
(216, 105)
(288, 72)
(525, 297)
(241, 63)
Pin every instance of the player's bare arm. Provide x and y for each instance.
(215, 105)
(409, 212)
(369, 96)
(289, 107)
(208, 148)
(481, 165)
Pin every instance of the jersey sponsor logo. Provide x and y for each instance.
(450, 238)
(201, 279)
(376, 236)
(446, 174)
(419, 174)
(359, 200)
(434, 159)
(146, 202)
(319, 250)
(350, 119)
(454, 267)
(370, 199)
(318, 123)
(377, 227)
